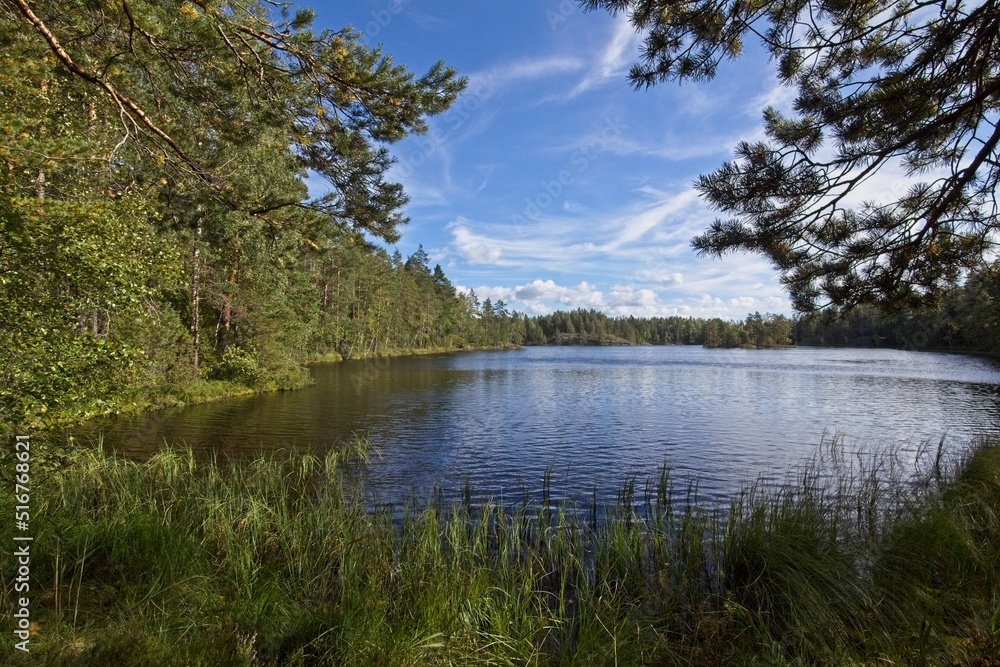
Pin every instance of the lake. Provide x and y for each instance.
(595, 415)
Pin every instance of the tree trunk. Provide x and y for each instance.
(195, 298)
(227, 304)
(43, 87)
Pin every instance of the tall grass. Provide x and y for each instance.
(273, 562)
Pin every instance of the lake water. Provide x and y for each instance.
(595, 415)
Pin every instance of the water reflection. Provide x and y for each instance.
(594, 415)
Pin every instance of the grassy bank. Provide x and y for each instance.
(238, 380)
(331, 357)
(176, 562)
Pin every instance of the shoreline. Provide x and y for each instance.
(134, 556)
(204, 391)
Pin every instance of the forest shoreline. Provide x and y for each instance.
(205, 391)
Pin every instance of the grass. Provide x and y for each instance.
(283, 562)
(383, 353)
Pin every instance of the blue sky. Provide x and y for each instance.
(551, 183)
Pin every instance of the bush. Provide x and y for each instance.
(238, 365)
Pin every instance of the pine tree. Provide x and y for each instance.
(880, 85)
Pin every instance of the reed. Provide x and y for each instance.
(283, 561)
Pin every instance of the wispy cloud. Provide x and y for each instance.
(475, 248)
(778, 95)
(551, 245)
(636, 262)
(518, 71)
(660, 277)
(540, 297)
(546, 296)
(551, 184)
(634, 227)
(614, 60)
(552, 238)
(674, 147)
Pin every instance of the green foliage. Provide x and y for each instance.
(156, 224)
(583, 327)
(238, 365)
(282, 561)
(965, 319)
(64, 289)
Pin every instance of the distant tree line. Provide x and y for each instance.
(591, 327)
(371, 303)
(967, 318)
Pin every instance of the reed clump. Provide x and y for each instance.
(175, 561)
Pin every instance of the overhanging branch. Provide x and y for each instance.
(125, 104)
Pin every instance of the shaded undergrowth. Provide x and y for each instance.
(857, 560)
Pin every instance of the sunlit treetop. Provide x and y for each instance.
(189, 81)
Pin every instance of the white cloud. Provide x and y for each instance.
(737, 308)
(742, 302)
(776, 303)
(634, 227)
(888, 184)
(540, 297)
(546, 296)
(627, 299)
(489, 81)
(475, 249)
(480, 253)
(492, 293)
(551, 240)
(709, 300)
(659, 276)
(612, 63)
(545, 243)
(583, 295)
(779, 96)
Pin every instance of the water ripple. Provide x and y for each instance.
(595, 415)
